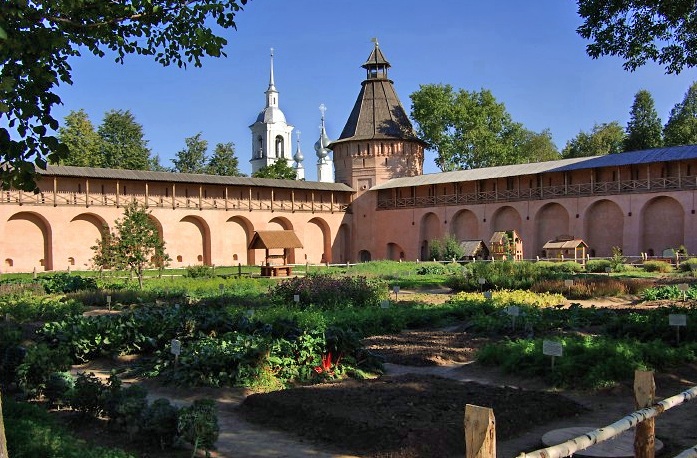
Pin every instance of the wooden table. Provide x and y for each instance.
(276, 271)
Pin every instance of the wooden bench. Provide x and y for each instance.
(276, 271)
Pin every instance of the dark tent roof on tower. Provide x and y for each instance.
(378, 113)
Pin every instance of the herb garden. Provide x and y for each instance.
(318, 350)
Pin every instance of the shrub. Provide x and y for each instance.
(432, 268)
(63, 282)
(657, 266)
(59, 386)
(594, 286)
(556, 268)
(31, 432)
(327, 292)
(598, 265)
(446, 249)
(200, 271)
(40, 362)
(159, 422)
(89, 394)
(198, 424)
(689, 265)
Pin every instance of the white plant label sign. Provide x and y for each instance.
(176, 347)
(552, 348)
(677, 319)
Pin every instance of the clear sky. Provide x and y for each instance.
(527, 54)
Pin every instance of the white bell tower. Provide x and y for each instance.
(271, 135)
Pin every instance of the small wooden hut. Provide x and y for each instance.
(566, 247)
(506, 245)
(474, 249)
(275, 240)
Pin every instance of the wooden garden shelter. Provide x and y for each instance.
(275, 240)
(474, 249)
(566, 247)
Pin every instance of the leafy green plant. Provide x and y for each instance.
(59, 386)
(63, 282)
(40, 362)
(689, 265)
(198, 425)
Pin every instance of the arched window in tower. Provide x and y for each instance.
(279, 146)
(260, 147)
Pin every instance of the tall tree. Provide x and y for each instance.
(644, 130)
(192, 159)
(469, 129)
(279, 170)
(134, 245)
(606, 138)
(663, 31)
(534, 147)
(681, 128)
(82, 140)
(123, 144)
(224, 162)
(38, 38)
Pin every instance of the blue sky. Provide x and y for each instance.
(526, 53)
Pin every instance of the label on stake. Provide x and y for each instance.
(552, 348)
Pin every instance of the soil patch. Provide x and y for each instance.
(401, 416)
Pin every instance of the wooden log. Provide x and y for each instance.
(480, 432)
(644, 395)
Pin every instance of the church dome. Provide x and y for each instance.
(270, 115)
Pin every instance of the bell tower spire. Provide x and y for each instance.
(271, 134)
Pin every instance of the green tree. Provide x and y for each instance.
(135, 245)
(38, 38)
(279, 169)
(155, 164)
(681, 128)
(224, 162)
(82, 140)
(606, 138)
(534, 147)
(123, 144)
(469, 129)
(663, 31)
(192, 159)
(644, 130)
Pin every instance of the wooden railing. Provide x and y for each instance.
(480, 429)
(547, 192)
(65, 198)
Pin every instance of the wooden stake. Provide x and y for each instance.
(480, 432)
(644, 394)
(3, 442)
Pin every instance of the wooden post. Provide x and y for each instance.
(480, 432)
(3, 442)
(644, 394)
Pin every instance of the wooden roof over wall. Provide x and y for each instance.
(270, 240)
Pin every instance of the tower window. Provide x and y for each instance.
(279, 147)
